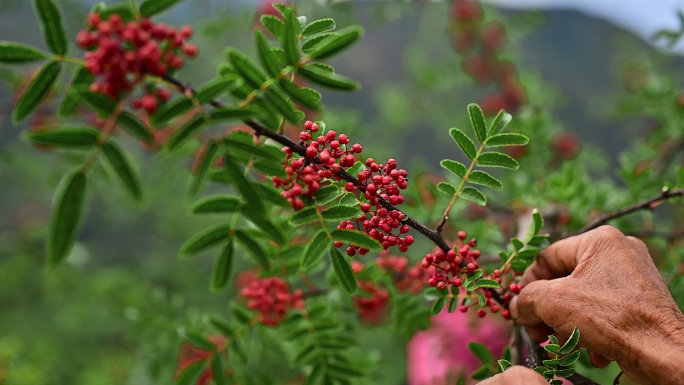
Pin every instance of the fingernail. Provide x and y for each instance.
(513, 307)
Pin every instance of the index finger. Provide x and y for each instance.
(555, 261)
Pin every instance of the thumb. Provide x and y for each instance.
(536, 304)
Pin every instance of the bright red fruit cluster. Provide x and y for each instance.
(381, 181)
(374, 307)
(272, 299)
(483, 44)
(305, 174)
(121, 53)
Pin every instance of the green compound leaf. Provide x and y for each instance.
(500, 140)
(70, 101)
(464, 142)
(51, 24)
(68, 203)
(333, 45)
(497, 159)
(572, 342)
(37, 90)
(253, 246)
(343, 271)
(481, 352)
(192, 373)
(304, 216)
(67, 136)
(341, 213)
(307, 97)
(457, 168)
(250, 148)
(487, 283)
(483, 178)
(245, 187)
(221, 114)
(124, 167)
(171, 110)
(216, 204)
(17, 53)
(273, 24)
(205, 240)
(319, 244)
(266, 57)
(99, 103)
(249, 71)
(312, 42)
(500, 122)
(186, 132)
(356, 238)
(208, 160)
(477, 120)
(223, 267)
(152, 7)
(215, 87)
(474, 195)
(327, 79)
(319, 26)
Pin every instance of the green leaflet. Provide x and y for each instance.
(17, 53)
(260, 221)
(497, 159)
(71, 137)
(273, 24)
(333, 45)
(483, 178)
(464, 142)
(134, 126)
(315, 249)
(122, 9)
(356, 238)
(307, 97)
(474, 195)
(152, 7)
(318, 26)
(446, 188)
(256, 250)
(204, 240)
(500, 140)
(68, 203)
(481, 352)
(304, 216)
(327, 79)
(571, 343)
(290, 40)
(500, 122)
(124, 167)
(185, 133)
(70, 101)
(439, 305)
(221, 273)
(208, 159)
(341, 213)
(216, 204)
(343, 271)
(172, 110)
(221, 114)
(249, 71)
(245, 187)
(457, 168)
(266, 57)
(215, 87)
(37, 90)
(190, 375)
(477, 120)
(51, 24)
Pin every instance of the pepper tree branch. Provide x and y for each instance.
(647, 204)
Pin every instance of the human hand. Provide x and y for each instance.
(607, 285)
(516, 375)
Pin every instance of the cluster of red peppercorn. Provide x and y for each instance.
(121, 53)
(483, 44)
(450, 267)
(272, 299)
(386, 182)
(305, 174)
(374, 307)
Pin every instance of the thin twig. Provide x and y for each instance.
(648, 204)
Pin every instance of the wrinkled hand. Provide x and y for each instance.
(516, 375)
(607, 285)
